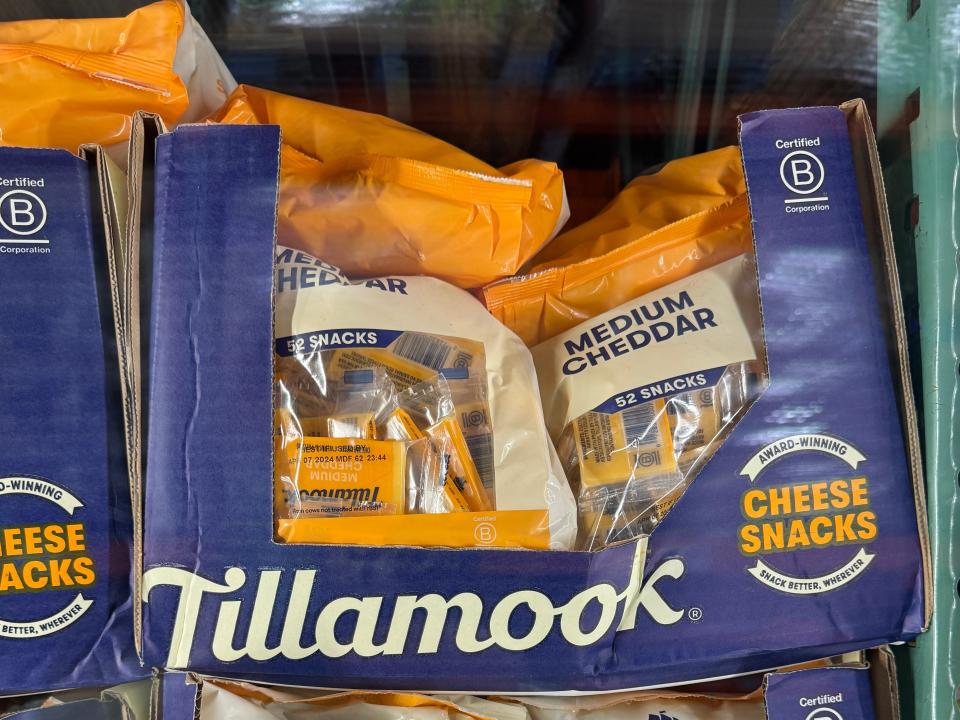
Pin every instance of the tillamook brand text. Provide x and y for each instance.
(477, 624)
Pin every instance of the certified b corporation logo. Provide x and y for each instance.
(801, 172)
(823, 513)
(485, 533)
(43, 561)
(22, 212)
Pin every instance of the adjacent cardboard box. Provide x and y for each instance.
(693, 601)
(853, 691)
(123, 702)
(66, 603)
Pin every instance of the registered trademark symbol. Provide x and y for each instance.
(695, 614)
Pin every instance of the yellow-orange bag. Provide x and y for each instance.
(690, 215)
(375, 197)
(68, 82)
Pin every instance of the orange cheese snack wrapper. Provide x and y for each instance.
(69, 82)
(662, 227)
(375, 197)
(336, 477)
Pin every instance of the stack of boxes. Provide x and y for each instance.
(136, 475)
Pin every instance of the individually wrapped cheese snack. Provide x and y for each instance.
(432, 401)
(405, 387)
(411, 420)
(376, 197)
(638, 397)
(362, 401)
(663, 226)
(70, 82)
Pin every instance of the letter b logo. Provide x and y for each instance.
(800, 169)
(801, 172)
(22, 212)
(485, 533)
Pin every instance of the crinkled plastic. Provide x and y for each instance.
(376, 197)
(690, 215)
(69, 82)
(199, 65)
(406, 415)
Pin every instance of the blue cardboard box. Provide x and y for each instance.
(66, 527)
(860, 690)
(692, 601)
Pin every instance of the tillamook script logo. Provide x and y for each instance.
(365, 615)
(820, 513)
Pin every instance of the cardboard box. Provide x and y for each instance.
(690, 602)
(853, 691)
(123, 702)
(66, 530)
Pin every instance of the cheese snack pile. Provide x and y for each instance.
(405, 414)
(638, 397)
(645, 328)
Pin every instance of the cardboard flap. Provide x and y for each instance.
(64, 423)
(823, 694)
(176, 697)
(876, 217)
(134, 293)
(883, 680)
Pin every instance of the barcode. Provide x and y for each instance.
(425, 350)
(640, 425)
(348, 360)
(481, 450)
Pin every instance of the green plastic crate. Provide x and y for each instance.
(918, 120)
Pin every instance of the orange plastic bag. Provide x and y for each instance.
(69, 82)
(690, 215)
(376, 197)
